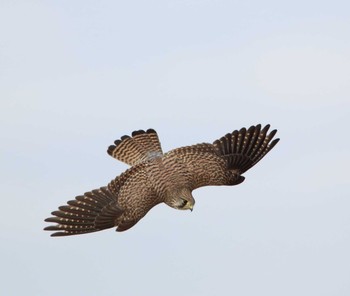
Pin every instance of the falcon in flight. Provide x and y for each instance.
(156, 178)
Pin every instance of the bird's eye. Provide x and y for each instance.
(183, 203)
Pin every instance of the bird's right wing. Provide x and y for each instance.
(122, 203)
(136, 195)
(94, 211)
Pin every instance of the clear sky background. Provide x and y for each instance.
(76, 75)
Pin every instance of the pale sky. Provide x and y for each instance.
(76, 75)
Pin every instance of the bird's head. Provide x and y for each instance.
(180, 199)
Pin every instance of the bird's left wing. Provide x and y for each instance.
(200, 165)
(224, 161)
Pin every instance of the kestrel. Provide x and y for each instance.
(156, 178)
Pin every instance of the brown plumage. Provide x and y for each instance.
(156, 177)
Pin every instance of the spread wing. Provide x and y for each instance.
(123, 203)
(224, 161)
(95, 210)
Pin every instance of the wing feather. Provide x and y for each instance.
(135, 195)
(122, 203)
(201, 164)
(224, 161)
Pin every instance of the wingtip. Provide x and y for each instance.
(273, 143)
(50, 228)
(58, 234)
(272, 133)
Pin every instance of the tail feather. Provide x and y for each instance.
(93, 211)
(141, 146)
(244, 148)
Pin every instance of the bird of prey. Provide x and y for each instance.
(156, 178)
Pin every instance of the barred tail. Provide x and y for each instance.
(244, 148)
(93, 211)
(141, 146)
